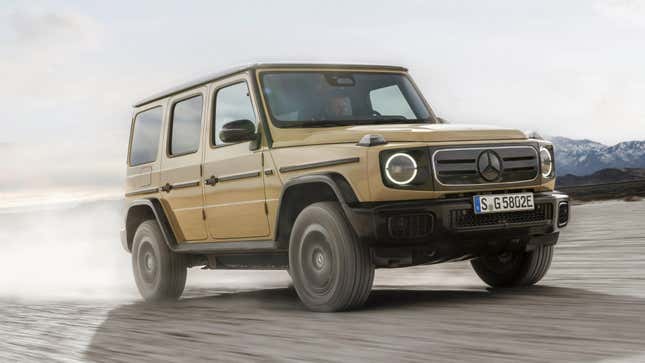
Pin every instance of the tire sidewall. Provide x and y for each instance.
(526, 269)
(149, 236)
(315, 218)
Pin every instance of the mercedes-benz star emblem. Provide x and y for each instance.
(489, 165)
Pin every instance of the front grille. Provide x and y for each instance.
(466, 218)
(460, 166)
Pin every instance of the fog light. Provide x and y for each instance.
(563, 214)
(409, 226)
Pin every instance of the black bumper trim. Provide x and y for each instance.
(370, 220)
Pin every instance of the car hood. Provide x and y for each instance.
(397, 133)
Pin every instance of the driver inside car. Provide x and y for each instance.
(338, 108)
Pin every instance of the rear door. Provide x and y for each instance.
(234, 205)
(143, 157)
(181, 189)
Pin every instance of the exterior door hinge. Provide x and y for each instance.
(203, 214)
(266, 208)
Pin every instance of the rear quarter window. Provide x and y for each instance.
(186, 126)
(145, 136)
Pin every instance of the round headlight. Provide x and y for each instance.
(401, 168)
(546, 162)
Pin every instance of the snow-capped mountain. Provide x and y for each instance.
(584, 157)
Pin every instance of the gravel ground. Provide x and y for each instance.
(590, 307)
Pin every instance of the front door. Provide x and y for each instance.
(234, 200)
(181, 190)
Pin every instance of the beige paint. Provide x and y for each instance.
(246, 209)
(184, 204)
(394, 133)
(234, 209)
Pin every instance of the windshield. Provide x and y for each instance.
(319, 99)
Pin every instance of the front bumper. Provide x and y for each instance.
(446, 229)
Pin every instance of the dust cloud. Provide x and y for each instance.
(64, 251)
(72, 251)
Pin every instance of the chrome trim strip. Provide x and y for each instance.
(320, 164)
(251, 174)
(188, 184)
(492, 147)
(142, 191)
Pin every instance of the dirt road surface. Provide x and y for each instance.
(589, 308)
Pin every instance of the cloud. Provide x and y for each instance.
(42, 47)
(54, 27)
(630, 12)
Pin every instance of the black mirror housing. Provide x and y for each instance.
(238, 131)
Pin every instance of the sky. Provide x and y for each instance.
(70, 70)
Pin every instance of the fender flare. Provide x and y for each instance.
(335, 181)
(343, 192)
(154, 205)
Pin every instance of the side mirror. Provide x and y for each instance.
(238, 131)
(441, 121)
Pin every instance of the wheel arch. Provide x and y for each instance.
(141, 210)
(305, 190)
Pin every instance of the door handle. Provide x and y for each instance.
(211, 181)
(166, 188)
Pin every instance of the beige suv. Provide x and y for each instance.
(329, 171)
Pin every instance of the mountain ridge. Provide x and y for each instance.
(585, 157)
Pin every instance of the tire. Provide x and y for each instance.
(330, 268)
(514, 269)
(159, 273)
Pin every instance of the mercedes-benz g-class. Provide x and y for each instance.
(329, 171)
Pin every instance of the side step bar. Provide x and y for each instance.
(226, 247)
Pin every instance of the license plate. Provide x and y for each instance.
(503, 203)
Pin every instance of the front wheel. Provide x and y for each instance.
(514, 268)
(330, 268)
(159, 273)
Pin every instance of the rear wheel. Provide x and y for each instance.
(330, 268)
(514, 268)
(159, 273)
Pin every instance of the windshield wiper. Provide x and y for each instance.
(327, 123)
(324, 124)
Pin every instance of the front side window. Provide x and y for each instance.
(330, 98)
(232, 103)
(186, 126)
(145, 136)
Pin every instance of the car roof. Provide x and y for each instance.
(243, 68)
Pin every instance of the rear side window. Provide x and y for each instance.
(232, 103)
(145, 136)
(186, 126)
